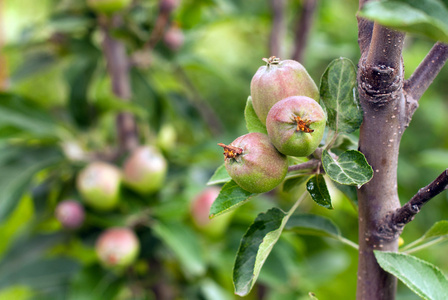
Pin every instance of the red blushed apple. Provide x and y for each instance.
(117, 247)
(174, 38)
(254, 163)
(200, 210)
(278, 80)
(70, 214)
(145, 170)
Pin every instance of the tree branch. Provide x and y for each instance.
(423, 76)
(406, 213)
(278, 28)
(118, 67)
(303, 29)
(311, 164)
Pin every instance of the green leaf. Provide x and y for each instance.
(255, 247)
(350, 191)
(291, 183)
(69, 23)
(220, 176)
(438, 229)
(33, 64)
(310, 224)
(253, 123)
(436, 234)
(423, 278)
(94, 282)
(79, 77)
(42, 274)
(213, 291)
(184, 244)
(351, 168)
(26, 116)
(428, 18)
(18, 166)
(230, 197)
(19, 255)
(318, 190)
(338, 93)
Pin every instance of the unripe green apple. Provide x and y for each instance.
(108, 6)
(70, 214)
(99, 185)
(296, 125)
(254, 163)
(279, 80)
(145, 170)
(117, 247)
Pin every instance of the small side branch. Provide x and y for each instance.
(303, 29)
(425, 73)
(163, 18)
(406, 213)
(311, 164)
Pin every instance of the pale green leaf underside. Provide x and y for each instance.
(423, 278)
(220, 176)
(255, 247)
(230, 197)
(351, 168)
(436, 234)
(338, 93)
(438, 229)
(428, 18)
(253, 123)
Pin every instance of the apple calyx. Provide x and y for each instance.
(230, 151)
(271, 60)
(303, 124)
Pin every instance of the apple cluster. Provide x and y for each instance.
(284, 97)
(99, 185)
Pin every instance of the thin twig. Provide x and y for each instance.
(428, 69)
(311, 164)
(161, 22)
(406, 213)
(278, 28)
(303, 29)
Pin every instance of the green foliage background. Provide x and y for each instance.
(224, 43)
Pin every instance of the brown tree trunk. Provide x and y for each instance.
(380, 86)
